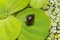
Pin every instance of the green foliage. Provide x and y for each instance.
(12, 27)
(37, 31)
(12, 6)
(9, 28)
(38, 3)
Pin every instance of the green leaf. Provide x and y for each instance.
(3, 35)
(38, 3)
(10, 28)
(39, 29)
(12, 6)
